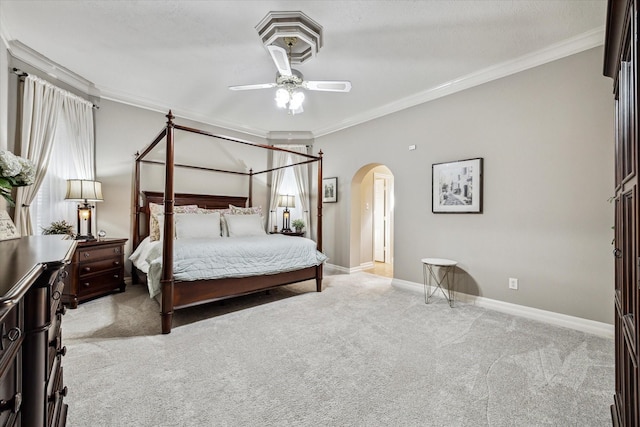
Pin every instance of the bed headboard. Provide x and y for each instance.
(206, 201)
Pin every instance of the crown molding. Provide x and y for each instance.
(20, 51)
(284, 135)
(572, 46)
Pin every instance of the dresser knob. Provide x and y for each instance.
(86, 284)
(62, 351)
(86, 254)
(86, 269)
(116, 250)
(62, 310)
(56, 295)
(116, 262)
(12, 405)
(116, 276)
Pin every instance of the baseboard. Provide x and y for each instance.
(584, 325)
(345, 270)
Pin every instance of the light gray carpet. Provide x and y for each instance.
(361, 353)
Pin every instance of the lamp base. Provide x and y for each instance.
(88, 237)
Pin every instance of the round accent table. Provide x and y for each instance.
(447, 268)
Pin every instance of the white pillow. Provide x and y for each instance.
(244, 225)
(190, 225)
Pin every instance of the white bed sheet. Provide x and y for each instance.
(197, 259)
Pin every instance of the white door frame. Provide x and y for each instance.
(387, 219)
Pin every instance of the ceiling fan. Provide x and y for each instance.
(289, 80)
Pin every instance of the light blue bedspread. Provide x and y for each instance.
(197, 259)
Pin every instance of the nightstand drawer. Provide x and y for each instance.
(102, 282)
(90, 254)
(100, 266)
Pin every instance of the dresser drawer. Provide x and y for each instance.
(56, 392)
(98, 266)
(11, 335)
(10, 396)
(95, 253)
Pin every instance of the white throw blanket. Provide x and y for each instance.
(197, 259)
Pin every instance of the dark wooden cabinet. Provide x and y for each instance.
(97, 269)
(620, 63)
(31, 376)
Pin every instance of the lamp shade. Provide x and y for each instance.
(81, 189)
(286, 201)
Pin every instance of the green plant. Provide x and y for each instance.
(58, 227)
(298, 224)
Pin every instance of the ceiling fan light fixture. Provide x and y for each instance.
(296, 101)
(282, 98)
(289, 99)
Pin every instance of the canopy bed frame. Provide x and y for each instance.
(179, 294)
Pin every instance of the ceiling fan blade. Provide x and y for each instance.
(251, 87)
(328, 85)
(280, 58)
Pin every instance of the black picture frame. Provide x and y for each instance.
(330, 190)
(457, 186)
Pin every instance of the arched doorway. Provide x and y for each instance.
(372, 219)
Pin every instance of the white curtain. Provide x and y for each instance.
(279, 159)
(58, 136)
(42, 103)
(301, 175)
(78, 117)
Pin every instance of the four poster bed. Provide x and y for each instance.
(173, 268)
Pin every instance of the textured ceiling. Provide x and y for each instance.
(184, 54)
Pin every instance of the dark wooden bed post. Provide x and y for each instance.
(136, 204)
(319, 225)
(166, 281)
(250, 188)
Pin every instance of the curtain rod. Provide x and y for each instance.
(21, 73)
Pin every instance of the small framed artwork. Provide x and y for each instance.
(329, 190)
(7, 229)
(457, 186)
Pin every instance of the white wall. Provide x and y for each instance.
(546, 136)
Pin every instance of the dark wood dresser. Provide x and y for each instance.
(97, 269)
(621, 64)
(31, 381)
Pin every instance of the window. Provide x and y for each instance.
(49, 204)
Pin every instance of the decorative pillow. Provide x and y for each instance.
(155, 210)
(223, 222)
(245, 225)
(189, 225)
(236, 210)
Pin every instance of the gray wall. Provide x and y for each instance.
(546, 136)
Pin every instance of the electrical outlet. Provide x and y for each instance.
(513, 283)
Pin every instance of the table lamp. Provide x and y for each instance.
(286, 201)
(84, 191)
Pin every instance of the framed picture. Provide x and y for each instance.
(457, 186)
(329, 190)
(7, 229)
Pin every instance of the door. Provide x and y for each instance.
(379, 220)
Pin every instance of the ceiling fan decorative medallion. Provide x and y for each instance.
(292, 38)
(276, 27)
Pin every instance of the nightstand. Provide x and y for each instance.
(97, 269)
(288, 233)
